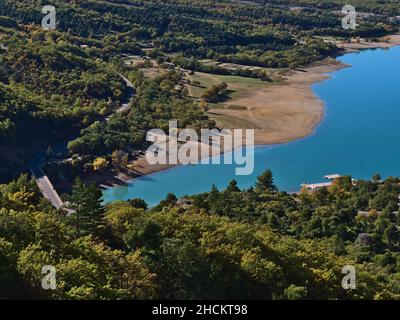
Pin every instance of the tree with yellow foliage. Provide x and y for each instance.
(99, 164)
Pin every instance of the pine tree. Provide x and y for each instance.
(214, 193)
(265, 182)
(233, 187)
(94, 209)
(86, 200)
(77, 203)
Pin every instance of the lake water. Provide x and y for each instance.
(358, 136)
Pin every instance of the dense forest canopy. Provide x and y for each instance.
(68, 85)
(251, 244)
(50, 87)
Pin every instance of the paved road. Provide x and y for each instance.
(36, 164)
(47, 188)
(128, 104)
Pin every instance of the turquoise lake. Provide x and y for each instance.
(359, 136)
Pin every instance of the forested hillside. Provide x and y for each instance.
(260, 32)
(230, 244)
(49, 88)
(55, 83)
(69, 85)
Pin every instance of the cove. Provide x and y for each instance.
(359, 136)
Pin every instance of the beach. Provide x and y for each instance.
(353, 46)
(287, 111)
(279, 113)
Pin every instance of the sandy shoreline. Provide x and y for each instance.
(279, 113)
(285, 112)
(354, 46)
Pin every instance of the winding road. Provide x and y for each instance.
(37, 163)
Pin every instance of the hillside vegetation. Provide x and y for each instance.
(66, 85)
(230, 244)
(53, 84)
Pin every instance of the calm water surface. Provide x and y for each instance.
(359, 136)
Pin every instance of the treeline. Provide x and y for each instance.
(194, 64)
(375, 6)
(212, 93)
(258, 243)
(308, 51)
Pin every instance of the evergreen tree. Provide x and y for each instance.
(214, 194)
(77, 200)
(86, 200)
(232, 187)
(94, 208)
(265, 182)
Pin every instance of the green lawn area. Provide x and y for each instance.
(237, 86)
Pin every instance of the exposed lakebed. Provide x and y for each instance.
(359, 135)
